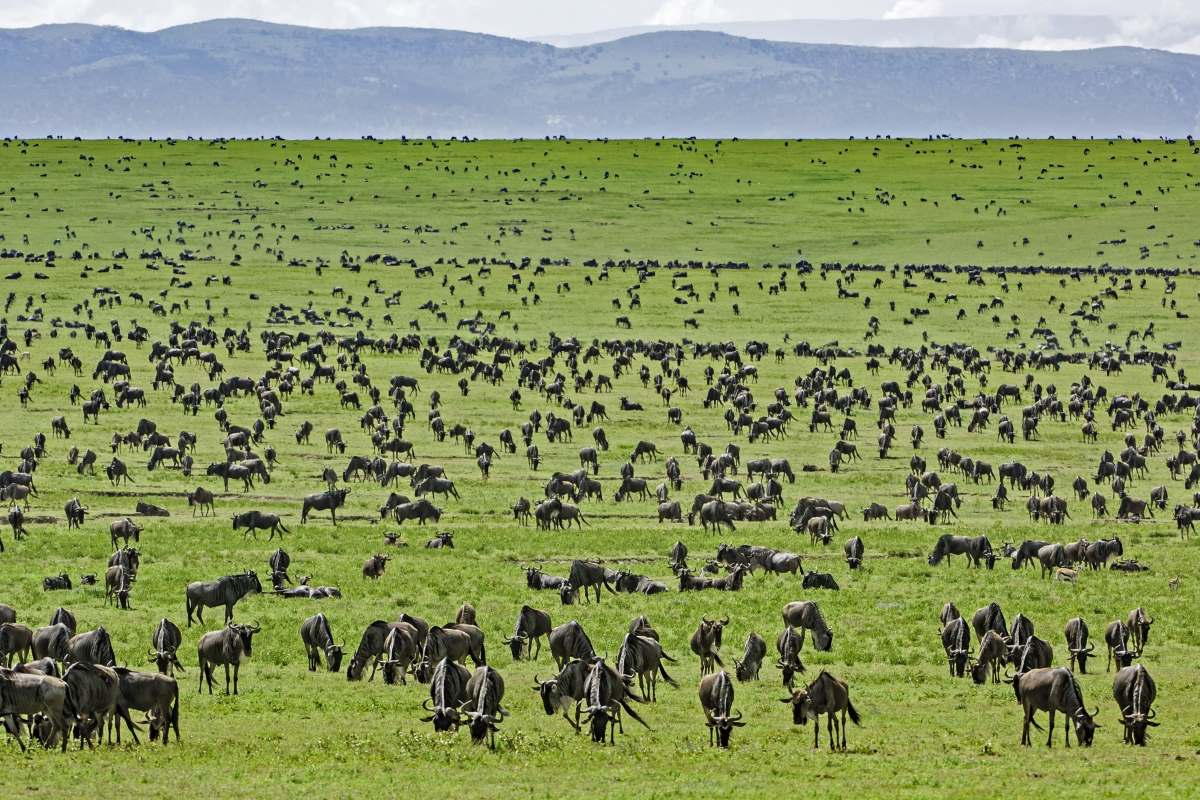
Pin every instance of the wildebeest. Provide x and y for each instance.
(820, 580)
(806, 615)
(568, 641)
(1116, 636)
(400, 648)
(484, 691)
(153, 693)
(447, 693)
(254, 521)
(330, 501)
(1134, 690)
(956, 641)
(374, 566)
(825, 695)
(1054, 689)
(318, 639)
(993, 652)
(976, 548)
(15, 640)
(587, 575)
(1139, 627)
(30, 694)
(748, 666)
(92, 647)
(706, 643)
(225, 647)
(853, 548)
(606, 696)
(716, 699)
(643, 656)
(532, 625)
(202, 500)
(124, 529)
(165, 643)
(226, 591)
(51, 641)
(92, 694)
(1076, 633)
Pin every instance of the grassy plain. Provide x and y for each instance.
(267, 214)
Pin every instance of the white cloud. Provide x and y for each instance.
(689, 12)
(906, 9)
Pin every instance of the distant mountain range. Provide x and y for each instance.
(244, 78)
(1022, 32)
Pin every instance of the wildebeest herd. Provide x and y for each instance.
(428, 424)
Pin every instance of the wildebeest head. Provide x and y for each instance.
(550, 694)
(1136, 724)
(333, 656)
(566, 593)
(444, 718)
(599, 719)
(518, 644)
(724, 725)
(1085, 725)
(801, 706)
(246, 633)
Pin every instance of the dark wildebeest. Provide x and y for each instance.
(564, 692)
(975, 548)
(329, 501)
(153, 693)
(788, 643)
(807, 615)
(1134, 691)
(484, 691)
(165, 643)
(825, 695)
(1097, 554)
(606, 696)
(374, 566)
(124, 529)
(989, 618)
(532, 625)
(853, 548)
(750, 663)
(447, 693)
(587, 575)
(1054, 689)
(643, 656)
(992, 654)
(15, 640)
(1139, 627)
(29, 694)
(92, 647)
(226, 591)
(716, 698)
(569, 641)
(318, 639)
(399, 651)
(1076, 633)
(254, 521)
(201, 499)
(51, 642)
(820, 580)
(92, 693)
(956, 641)
(706, 643)
(1116, 636)
(226, 647)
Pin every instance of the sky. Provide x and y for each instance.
(526, 18)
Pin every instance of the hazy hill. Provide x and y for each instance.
(236, 77)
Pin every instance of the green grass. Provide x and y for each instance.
(248, 209)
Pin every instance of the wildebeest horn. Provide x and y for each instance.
(735, 719)
(1151, 714)
(425, 704)
(725, 621)
(1091, 648)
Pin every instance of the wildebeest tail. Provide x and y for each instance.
(633, 714)
(667, 677)
(855, 717)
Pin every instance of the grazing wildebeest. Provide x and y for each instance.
(989, 618)
(51, 642)
(807, 615)
(124, 529)
(1054, 689)
(153, 693)
(1116, 636)
(569, 641)
(716, 699)
(165, 643)
(992, 654)
(1139, 627)
(30, 694)
(92, 647)
(225, 647)
(826, 695)
(532, 625)
(447, 693)
(1051, 557)
(949, 611)
(92, 693)
(706, 643)
(1076, 633)
(607, 695)
(1097, 554)
(318, 638)
(853, 548)
(329, 501)
(564, 691)
(1134, 690)
(484, 691)
(789, 643)
(226, 591)
(750, 663)
(976, 548)
(956, 641)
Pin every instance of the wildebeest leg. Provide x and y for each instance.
(829, 726)
(13, 725)
(1050, 735)
(817, 733)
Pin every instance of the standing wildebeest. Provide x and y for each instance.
(989, 618)
(30, 694)
(1116, 636)
(92, 693)
(93, 647)
(124, 529)
(716, 698)
(228, 647)
(1097, 554)
(166, 641)
(569, 641)
(318, 638)
(853, 548)
(1139, 626)
(788, 643)
(447, 693)
(750, 663)
(254, 521)
(607, 695)
(15, 640)
(1054, 689)
(153, 693)
(1076, 634)
(993, 652)
(51, 642)
(706, 643)
(1134, 690)
(643, 656)
(329, 501)
(975, 548)
(1051, 557)
(825, 695)
(226, 591)
(399, 651)
(807, 615)
(956, 641)
(587, 575)
(484, 691)
(532, 625)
